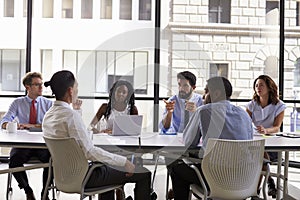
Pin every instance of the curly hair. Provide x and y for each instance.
(130, 99)
(273, 90)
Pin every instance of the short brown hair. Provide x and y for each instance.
(27, 80)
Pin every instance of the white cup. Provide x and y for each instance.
(12, 127)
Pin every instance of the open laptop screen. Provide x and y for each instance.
(127, 125)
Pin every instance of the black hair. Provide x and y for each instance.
(188, 76)
(225, 86)
(130, 99)
(60, 82)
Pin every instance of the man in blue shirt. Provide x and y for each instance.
(218, 118)
(20, 110)
(180, 107)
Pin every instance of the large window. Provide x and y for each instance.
(9, 8)
(106, 9)
(126, 9)
(144, 9)
(47, 8)
(109, 66)
(86, 9)
(218, 69)
(67, 9)
(12, 67)
(272, 12)
(219, 11)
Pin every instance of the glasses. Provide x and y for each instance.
(37, 84)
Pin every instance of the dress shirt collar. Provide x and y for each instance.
(61, 103)
(29, 100)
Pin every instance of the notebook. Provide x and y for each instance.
(127, 125)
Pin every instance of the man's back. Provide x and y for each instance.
(218, 120)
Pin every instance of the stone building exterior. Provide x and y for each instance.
(238, 39)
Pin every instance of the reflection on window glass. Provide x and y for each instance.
(145, 10)
(86, 9)
(272, 12)
(12, 66)
(47, 8)
(106, 9)
(271, 66)
(126, 9)
(219, 11)
(297, 13)
(297, 73)
(9, 8)
(67, 9)
(25, 8)
(218, 69)
(47, 63)
(108, 66)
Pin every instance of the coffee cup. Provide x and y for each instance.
(12, 127)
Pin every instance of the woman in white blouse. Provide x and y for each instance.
(267, 113)
(121, 102)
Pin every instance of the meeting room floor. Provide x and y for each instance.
(159, 184)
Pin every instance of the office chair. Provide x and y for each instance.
(71, 169)
(232, 169)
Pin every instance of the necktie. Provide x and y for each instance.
(32, 116)
(186, 117)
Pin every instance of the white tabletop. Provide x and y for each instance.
(25, 138)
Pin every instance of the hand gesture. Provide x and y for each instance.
(129, 167)
(169, 105)
(77, 104)
(190, 106)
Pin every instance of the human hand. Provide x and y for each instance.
(190, 106)
(169, 105)
(129, 167)
(261, 129)
(108, 131)
(26, 126)
(77, 104)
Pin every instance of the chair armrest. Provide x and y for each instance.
(93, 166)
(191, 161)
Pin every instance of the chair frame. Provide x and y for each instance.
(83, 190)
(202, 190)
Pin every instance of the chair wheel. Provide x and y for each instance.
(129, 198)
(153, 196)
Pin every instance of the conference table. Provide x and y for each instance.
(155, 143)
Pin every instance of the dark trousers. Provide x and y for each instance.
(19, 156)
(182, 177)
(106, 175)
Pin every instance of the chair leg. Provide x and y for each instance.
(167, 184)
(9, 188)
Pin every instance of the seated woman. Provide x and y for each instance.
(121, 102)
(267, 112)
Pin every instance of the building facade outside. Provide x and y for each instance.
(103, 40)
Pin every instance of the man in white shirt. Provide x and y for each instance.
(62, 121)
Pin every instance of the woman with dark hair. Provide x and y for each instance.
(267, 113)
(121, 102)
(61, 121)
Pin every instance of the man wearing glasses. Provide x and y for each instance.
(29, 112)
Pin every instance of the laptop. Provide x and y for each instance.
(127, 125)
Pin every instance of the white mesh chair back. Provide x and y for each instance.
(69, 164)
(232, 168)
